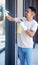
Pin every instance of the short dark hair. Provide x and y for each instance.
(32, 8)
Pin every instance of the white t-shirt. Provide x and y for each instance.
(23, 39)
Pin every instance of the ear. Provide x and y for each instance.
(33, 14)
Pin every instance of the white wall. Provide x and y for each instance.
(19, 8)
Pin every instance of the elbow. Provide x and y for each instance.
(31, 35)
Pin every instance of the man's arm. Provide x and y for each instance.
(10, 18)
(30, 33)
(33, 30)
(13, 19)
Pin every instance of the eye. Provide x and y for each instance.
(27, 11)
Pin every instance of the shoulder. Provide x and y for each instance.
(35, 22)
(23, 18)
(34, 25)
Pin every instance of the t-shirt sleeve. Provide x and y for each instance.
(34, 27)
(18, 19)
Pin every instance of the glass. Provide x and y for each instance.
(2, 24)
(2, 32)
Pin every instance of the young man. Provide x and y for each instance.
(28, 27)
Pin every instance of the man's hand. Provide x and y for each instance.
(9, 17)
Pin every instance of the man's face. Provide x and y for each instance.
(29, 13)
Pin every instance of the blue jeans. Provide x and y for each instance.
(25, 54)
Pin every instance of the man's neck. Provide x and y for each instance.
(29, 19)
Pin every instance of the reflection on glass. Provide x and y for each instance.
(2, 32)
(2, 24)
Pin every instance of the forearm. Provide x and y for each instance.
(30, 33)
(10, 18)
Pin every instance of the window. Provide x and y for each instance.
(2, 25)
